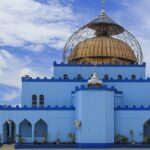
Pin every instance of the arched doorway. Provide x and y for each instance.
(41, 132)
(9, 131)
(146, 129)
(25, 132)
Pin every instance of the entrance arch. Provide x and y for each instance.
(41, 131)
(25, 131)
(9, 132)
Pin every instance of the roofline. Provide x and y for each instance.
(125, 80)
(98, 65)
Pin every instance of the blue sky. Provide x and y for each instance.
(33, 34)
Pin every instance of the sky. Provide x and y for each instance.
(34, 32)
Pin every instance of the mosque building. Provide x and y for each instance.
(98, 96)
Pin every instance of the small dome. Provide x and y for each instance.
(103, 24)
(94, 81)
(102, 50)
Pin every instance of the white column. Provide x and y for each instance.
(10, 129)
(17, 133)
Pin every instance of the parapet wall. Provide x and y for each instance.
(72, 70)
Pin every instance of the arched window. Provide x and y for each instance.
(79, 77)
(25, 129)
(34, 100)
(106, 77)
(41, 131)
(41, 100)
(119, 77)
(133, 77)
(65, 76)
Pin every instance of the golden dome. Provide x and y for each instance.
(102, 50)
(95, 43)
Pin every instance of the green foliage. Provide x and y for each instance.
(71, 136)
(45, 137)
(20, 138)
(120, 139)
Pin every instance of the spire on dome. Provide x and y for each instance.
(102, 7)
(103, 25)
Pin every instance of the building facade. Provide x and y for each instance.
(98, 93)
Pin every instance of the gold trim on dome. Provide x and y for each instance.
(102, 50)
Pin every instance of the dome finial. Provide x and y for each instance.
(102, 7)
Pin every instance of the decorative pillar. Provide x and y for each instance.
(9, 129)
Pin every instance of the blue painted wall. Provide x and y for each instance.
(55, 93)
(134, 93)
(60, 123)
(112, 70)
(58, 91)
(126, 120)
(95, 110)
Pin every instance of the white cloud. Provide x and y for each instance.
(11, 95)
(13, 67)
(33, 26)
(28, 22)
(35, 47)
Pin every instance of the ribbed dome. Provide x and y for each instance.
(102, 50)
(102, 41)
